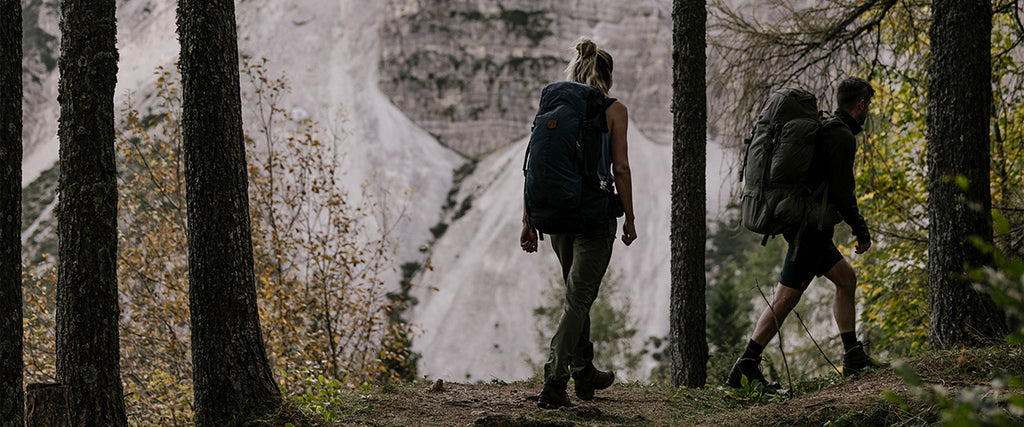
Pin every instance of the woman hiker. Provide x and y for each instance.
(584, 255)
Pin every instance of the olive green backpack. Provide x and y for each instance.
(779, 153)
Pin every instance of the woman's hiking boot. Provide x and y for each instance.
(856, 360)
(553, 397)
(590, 379)
(750, 368)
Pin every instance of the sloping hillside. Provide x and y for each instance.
(328, 52)
(487, 287)
(823, 401)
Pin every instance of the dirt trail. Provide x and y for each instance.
(858, 401)
(622, 404)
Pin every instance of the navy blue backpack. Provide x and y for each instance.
(567, 167)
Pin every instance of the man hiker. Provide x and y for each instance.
(579, 137)
(815, 253)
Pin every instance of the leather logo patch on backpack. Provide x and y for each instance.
(552, 123)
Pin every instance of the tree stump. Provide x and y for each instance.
(47, 405)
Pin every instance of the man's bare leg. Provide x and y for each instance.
(771, 319)
(844, 306)
(766, 329)
(844, 309)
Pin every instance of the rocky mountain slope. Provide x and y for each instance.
(327, 51)
(423, 81)
(469, 71)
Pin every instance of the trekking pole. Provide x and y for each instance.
(833, 365)
(789, 376)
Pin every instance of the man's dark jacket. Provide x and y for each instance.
(833, 159)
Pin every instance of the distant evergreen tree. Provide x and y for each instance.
(232, 379)
(88, 359)
(398, 358)
(12, 395)
(689, 108)
(731, 276)
(960, 203)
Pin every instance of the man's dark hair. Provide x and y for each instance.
(852, 90)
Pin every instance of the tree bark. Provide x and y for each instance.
(959, 109)
(48, 405)
(689, 232)
(11, 394)
(87, 308)
(232, 378)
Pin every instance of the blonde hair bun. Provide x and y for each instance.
(586, 48)
(590, 66)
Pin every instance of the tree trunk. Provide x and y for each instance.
(689, 232)
(87, 310)
(48, 405)
(11, 394)
(959, 110)
(232, 378)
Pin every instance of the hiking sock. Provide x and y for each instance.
(849, 340)
(753, 350)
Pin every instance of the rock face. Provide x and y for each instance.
(41, 44)
(327, 50)
(476, 306)
(470, 71)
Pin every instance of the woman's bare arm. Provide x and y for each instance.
(618, 119)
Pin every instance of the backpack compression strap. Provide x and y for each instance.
(526, 206)
(823, 188)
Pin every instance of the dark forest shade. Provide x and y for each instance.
(87, 310)
(11, 394)
(232, 378)
(959, 108)
(689, 147)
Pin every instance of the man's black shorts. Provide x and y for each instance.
(815, 256)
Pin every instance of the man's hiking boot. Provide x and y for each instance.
(591, 379)
(750, 368)
(553, 397)
(856, 360)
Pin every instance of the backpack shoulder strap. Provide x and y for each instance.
(603, 122)
(829, 120)
(826, 121)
